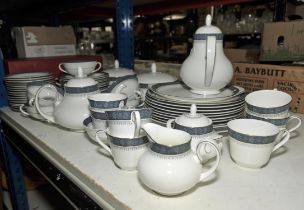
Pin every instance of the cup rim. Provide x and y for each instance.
(251, 99)
(242, 134)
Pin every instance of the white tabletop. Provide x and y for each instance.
(278, 186)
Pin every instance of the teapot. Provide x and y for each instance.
(207, 70)
(72, 108)
(200, 128)
(169, 167)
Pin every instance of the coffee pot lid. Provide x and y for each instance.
(207, 29)
(193, 119)
(155, 77)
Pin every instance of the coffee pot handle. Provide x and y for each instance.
(210, 59)
(205, 174)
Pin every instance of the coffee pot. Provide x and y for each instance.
(207, 70)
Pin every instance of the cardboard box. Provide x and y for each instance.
(283, 41)
(32, 42)
(242, 55)
(289, 79)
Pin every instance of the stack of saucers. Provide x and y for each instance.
(271, 106)
(101, 77)
(170, 100)
(16, 85)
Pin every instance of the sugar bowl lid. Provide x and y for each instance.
(155, 77)
(193, 119)
(207, 30)
(118, 71)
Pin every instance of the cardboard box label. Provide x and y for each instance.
(289, 79)
(44, 41)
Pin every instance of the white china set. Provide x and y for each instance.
(170, 156)
(205, 74)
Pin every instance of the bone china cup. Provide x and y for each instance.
(107, 100)
(268, 102)
(253, 141)
(126, 152)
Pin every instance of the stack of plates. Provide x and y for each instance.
(16, 85)
(101, 77)
(170, 100)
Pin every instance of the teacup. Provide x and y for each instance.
(253, 141)
(268, 101)
(128, 128)
(91, 131)
(125, 151)
(72, 67)
(281, 123)
(99, 118)
(107, 100)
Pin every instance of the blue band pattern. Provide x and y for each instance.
(195, 130)
(205, 36)
(126, 142)
(174, 150)
(277, 122)
(262, 110)
(78, 90)
(251, 139)
(99, 115)
(126, 114)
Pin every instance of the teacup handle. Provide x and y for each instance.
(135, 118)
(204, 175)
(169, 123)
(297, 125)
(103, 145)
(61, 69)
(23, 111)
(285, 136)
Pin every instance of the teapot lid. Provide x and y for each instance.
(207, 29)
(193, 119)
(119, 71)
(155, 77)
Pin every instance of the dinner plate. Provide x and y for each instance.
(179, 91)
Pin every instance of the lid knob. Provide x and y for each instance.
(80, 72)
(153, 67)
(193, 110)
(208, 20)
(116, 64)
